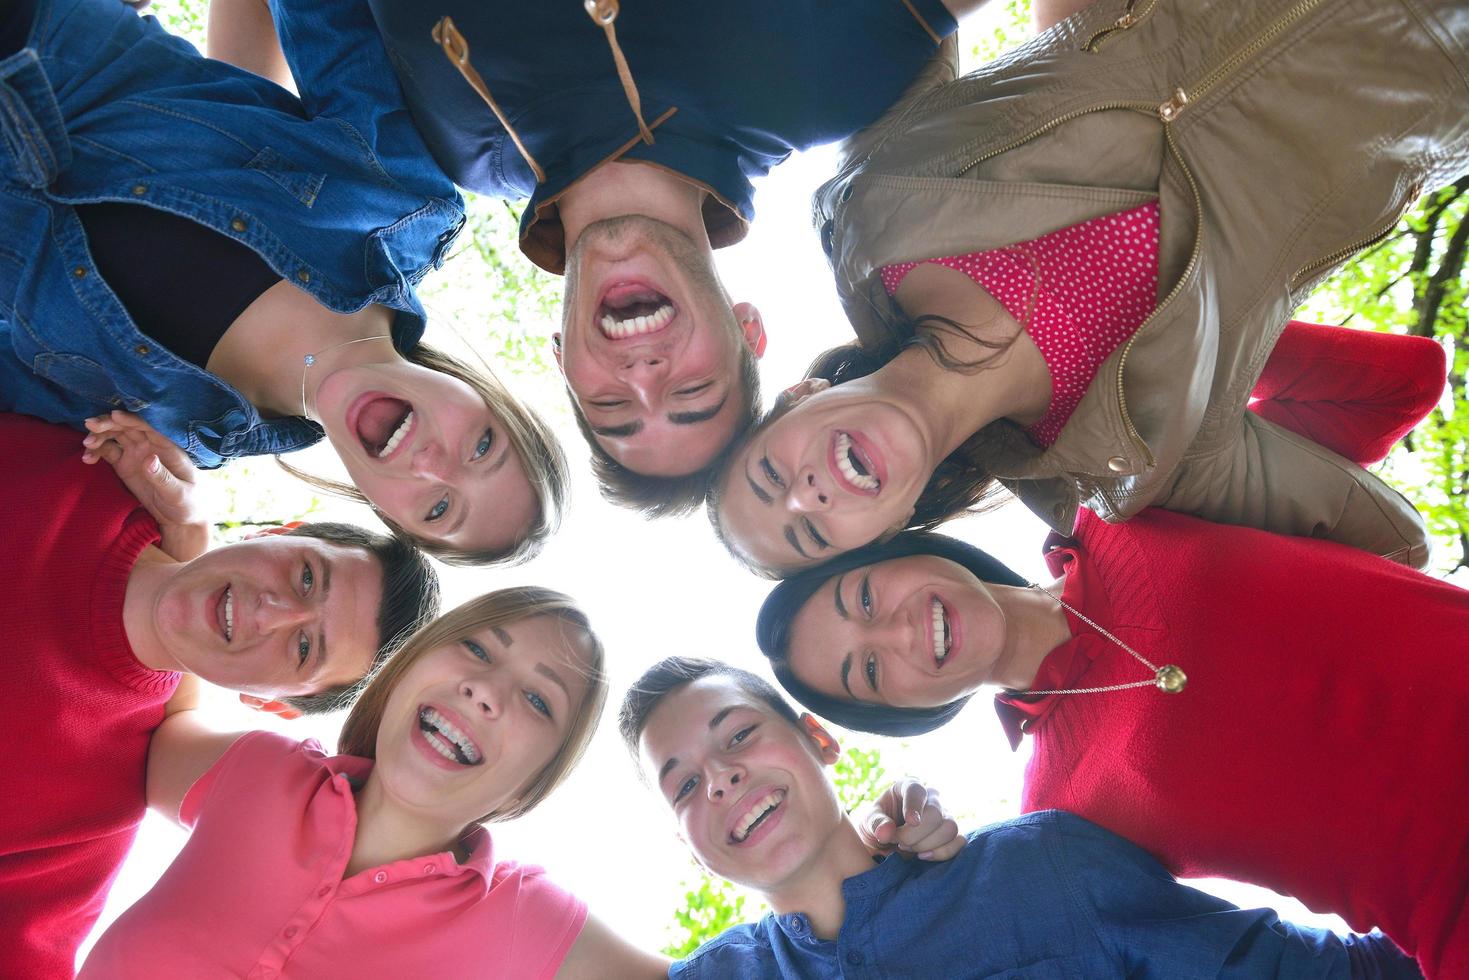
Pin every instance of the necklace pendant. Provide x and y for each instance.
(310, 359)
(1171, 679)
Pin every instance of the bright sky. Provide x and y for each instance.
(658, 589)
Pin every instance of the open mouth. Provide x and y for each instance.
(942, 636)
(383, 425)
(854, 466)
(224, 613)
(632, 310)
(759, 811)
(448, 739)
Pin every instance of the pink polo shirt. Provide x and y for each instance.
(258, 890)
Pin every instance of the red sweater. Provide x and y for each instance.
(79, 706)
(1320, 748)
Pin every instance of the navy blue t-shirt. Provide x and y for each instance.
(1048, 895)
(729, 89)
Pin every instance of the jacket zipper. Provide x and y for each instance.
(1168, 111)
(1130, 16)
(1311, 268)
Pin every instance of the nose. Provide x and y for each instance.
(808, 493)
(896, 631)
(482, 694)
(277, 611)
(724, 782)
(430, 462)
(645, 375)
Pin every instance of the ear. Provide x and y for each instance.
(898, 526)
(270, 707)
(286, 528)
(826, 744)
(752, 328)
(799, 392)
(556, 352)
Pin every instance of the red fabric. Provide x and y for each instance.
(79, 707)
(258, 891)
(1356, 392)
(1079, 293)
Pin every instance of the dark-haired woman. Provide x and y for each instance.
(237, 264)
(1267, 708)
(1066, 271)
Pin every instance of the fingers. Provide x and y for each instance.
(915, 799)
(877, 831)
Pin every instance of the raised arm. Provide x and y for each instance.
(158, 473)
(182, 750)
(242, 33)
(599, 952)
(1356, 392)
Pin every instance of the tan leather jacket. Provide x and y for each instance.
(1278, 137)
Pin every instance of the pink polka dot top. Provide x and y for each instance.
(1079, 292)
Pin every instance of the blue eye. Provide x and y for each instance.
(438, 510)
(685, 788)
(303, 649)
(538, 702)
(741, 735)
(865, 596)
(476, 649)
(485, 442)
(869, 669)
(308, 579)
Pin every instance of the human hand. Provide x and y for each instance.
(158, 473)
(909, 818)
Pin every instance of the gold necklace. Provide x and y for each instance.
(1169, 678)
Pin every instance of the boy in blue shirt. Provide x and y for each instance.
(1046, 895)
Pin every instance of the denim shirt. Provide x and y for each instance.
(334, 189)
(1048, 896)
(728, 90)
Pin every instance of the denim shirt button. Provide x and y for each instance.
(141, 349)
(797, 925)
(826, 236)
(80, 272)
(303, 274)
(239, 224)
(139, 190)
(854, 958)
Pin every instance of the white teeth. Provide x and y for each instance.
(769, 802)
(396, 437)
(849, 472)
(445, 736)
(633, 326)
(940, 633)
(229, 614)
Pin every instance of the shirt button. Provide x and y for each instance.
(141, 349)
(139, 190)
(303, 274)
(80, 272)
(428, 869)
(238, 224)
(323, 891)
(854, 958)
(290, 932)
(1117, 464)
(826, 237)
(380, 877)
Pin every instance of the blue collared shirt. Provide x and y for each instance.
(729, 90)
(334, 189)
(1048, 895)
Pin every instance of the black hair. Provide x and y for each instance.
(773, 625)
(672, 673)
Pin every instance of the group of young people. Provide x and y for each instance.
(1069, 273)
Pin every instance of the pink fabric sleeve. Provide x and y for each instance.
(254, 758)
(548, 919)
(1356, 392)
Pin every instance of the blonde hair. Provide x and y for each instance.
(500, 608)
(540, 455)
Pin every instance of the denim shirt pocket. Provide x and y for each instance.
(86, 378)
(411, 246)
(300, 184)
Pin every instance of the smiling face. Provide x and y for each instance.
(839, 470)
(470, 724)
(914, 632)
(650, 346)
(429, 454)
(275, 616)
(745, 785)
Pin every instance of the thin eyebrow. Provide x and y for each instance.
(326, 593)
(501, 635)
(555, 679)
(790, 534)
(619, 431)
(461, 514)
(837, 595)
(720, 716)
(760, 494)
(846, 672)
(667, 768)
(694, 418)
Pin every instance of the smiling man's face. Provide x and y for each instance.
(746, 786)
(650, 345)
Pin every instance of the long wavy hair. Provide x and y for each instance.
(359, 732)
